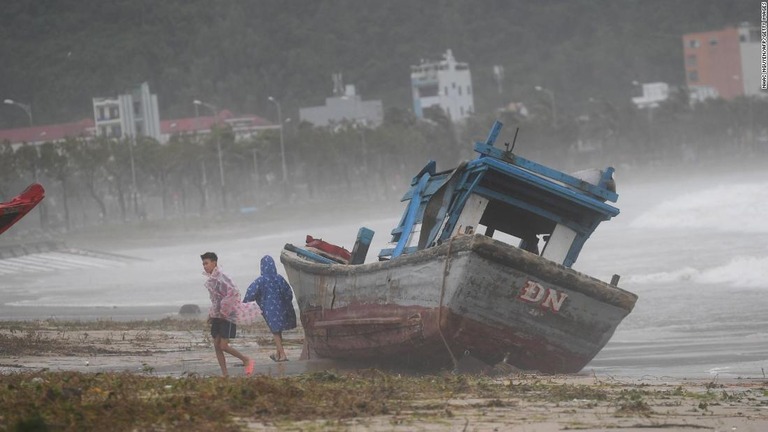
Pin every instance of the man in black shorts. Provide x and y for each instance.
(222, 290)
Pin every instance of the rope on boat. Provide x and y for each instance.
(440, 310)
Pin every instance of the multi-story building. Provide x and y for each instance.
(133, 114)
(348, 106)
(723, 63)
(446, 84)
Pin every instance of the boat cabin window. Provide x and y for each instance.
(516, 226)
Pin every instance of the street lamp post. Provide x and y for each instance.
(134, 188)
(552, 99)
(27, 108)
(363, 122)
(282, 142)
(218, 149)
(204, 183)
(255, 167)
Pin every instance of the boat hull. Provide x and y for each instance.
(472, 295)
(15, 209)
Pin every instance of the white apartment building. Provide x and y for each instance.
(133, 114)
(446, 84)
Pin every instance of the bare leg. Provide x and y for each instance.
(279, 345)
(220, 355)
(224, 346)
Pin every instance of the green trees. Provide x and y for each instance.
(113, 181)
(236, 54)
(90, 158)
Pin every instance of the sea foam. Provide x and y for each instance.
(732, 208)
(741, 271)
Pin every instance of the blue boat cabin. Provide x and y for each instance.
(504, 196)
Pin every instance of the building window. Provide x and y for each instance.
(690, 61)
(446, 90)
(462, 111)
(454, 85)
(459, 90)
(469, 90)
(101, 113)
(428, 90)
(693, 43)
(713, 41)
(693, 76)
(114, 113)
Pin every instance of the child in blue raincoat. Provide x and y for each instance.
(274, 296)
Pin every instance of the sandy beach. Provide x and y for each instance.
(474, 399)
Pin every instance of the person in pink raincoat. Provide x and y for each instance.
(226, 312)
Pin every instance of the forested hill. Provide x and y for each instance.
(58, 54)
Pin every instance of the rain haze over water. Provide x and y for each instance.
(695, 253)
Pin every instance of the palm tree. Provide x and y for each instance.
(7, 169)
(28, 161)
(58, 166)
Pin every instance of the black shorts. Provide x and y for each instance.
(223, 328)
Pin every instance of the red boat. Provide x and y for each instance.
(15, 209)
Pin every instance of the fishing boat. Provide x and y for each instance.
(464, 274)
(20, 205)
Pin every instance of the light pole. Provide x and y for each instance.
(134, 189)
(204, 184)
(282, 142)
(27, 108)
(255, 167)
(552, 99)
(218, 149)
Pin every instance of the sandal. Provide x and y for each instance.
(249, 368)
(275, 359)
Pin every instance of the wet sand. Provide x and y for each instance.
(181, 348)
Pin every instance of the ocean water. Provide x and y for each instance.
(172, 275)
(694, 249)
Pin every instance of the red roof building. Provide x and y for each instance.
(49, 133)
(244, 127)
